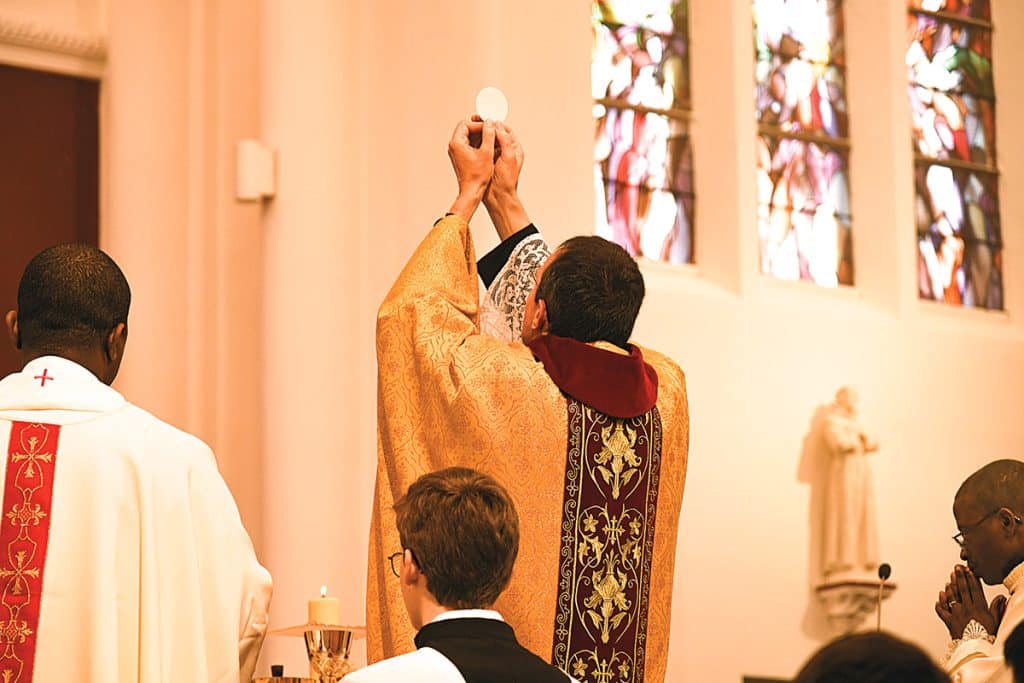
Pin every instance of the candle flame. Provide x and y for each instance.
(323, 591)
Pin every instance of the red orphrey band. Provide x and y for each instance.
(24, 534)
(609, 514)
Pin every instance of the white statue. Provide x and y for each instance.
(850, 533)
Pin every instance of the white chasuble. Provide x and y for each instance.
(123, 555)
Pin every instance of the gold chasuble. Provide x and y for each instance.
(590, 440)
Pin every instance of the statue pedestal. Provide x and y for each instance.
(848, 601)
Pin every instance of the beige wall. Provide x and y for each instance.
(255, 330)
(181, 86)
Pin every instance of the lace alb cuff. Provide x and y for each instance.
(973, 631)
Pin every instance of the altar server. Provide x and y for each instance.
(588, 431)
(122, 554)
(459, 535)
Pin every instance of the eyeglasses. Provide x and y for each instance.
(391, 560)
(958, 537)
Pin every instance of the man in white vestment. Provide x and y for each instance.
(122, 554)
(459, 532)
(988, 509)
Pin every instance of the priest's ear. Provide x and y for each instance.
(11, 319)
(539, 324)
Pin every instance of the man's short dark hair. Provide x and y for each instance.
(593, 290)
(463, 530)
(71, 296)
(998, 484)
(870, 658)
(1013, 652)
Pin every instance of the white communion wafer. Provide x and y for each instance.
(491, 104)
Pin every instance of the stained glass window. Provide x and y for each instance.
(643, 167)
(802, 145)
(952, 106)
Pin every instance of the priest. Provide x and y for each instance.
(122, 555)
(588, 431)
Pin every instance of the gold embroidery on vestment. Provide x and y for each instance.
(607, 531)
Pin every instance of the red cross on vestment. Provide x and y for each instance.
(42, 378)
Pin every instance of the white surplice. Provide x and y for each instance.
(424, 665)
(978, 661)
(149, 574)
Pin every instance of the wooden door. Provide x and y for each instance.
(49, 174)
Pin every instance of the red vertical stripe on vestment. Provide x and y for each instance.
(609, 515)
(24, 535)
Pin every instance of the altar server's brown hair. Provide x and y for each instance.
(463, 531)
(593, 290)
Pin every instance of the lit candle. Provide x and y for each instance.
(325, 610)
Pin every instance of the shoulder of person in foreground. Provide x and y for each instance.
(425, 664)
(1013, 652)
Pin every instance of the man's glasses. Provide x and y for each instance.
(958, 537)
(391, 560)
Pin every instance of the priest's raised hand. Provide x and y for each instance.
(473, 165)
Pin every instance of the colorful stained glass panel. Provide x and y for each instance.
(950, 56)
(643, 161)
(800, 65)
(968, 9)
(952, 106)
(959, 236)
(949, 126)
(643, 178)
(804, 224)
(804, 212)
(639, 67)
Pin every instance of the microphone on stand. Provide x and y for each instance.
(884, 572)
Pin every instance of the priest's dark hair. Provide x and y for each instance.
(873, 657)
(71, 296)
(593, 290)
(463, 531)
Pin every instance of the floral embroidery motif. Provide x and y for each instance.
(608, 517)
(618, 450)
(24, 533)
